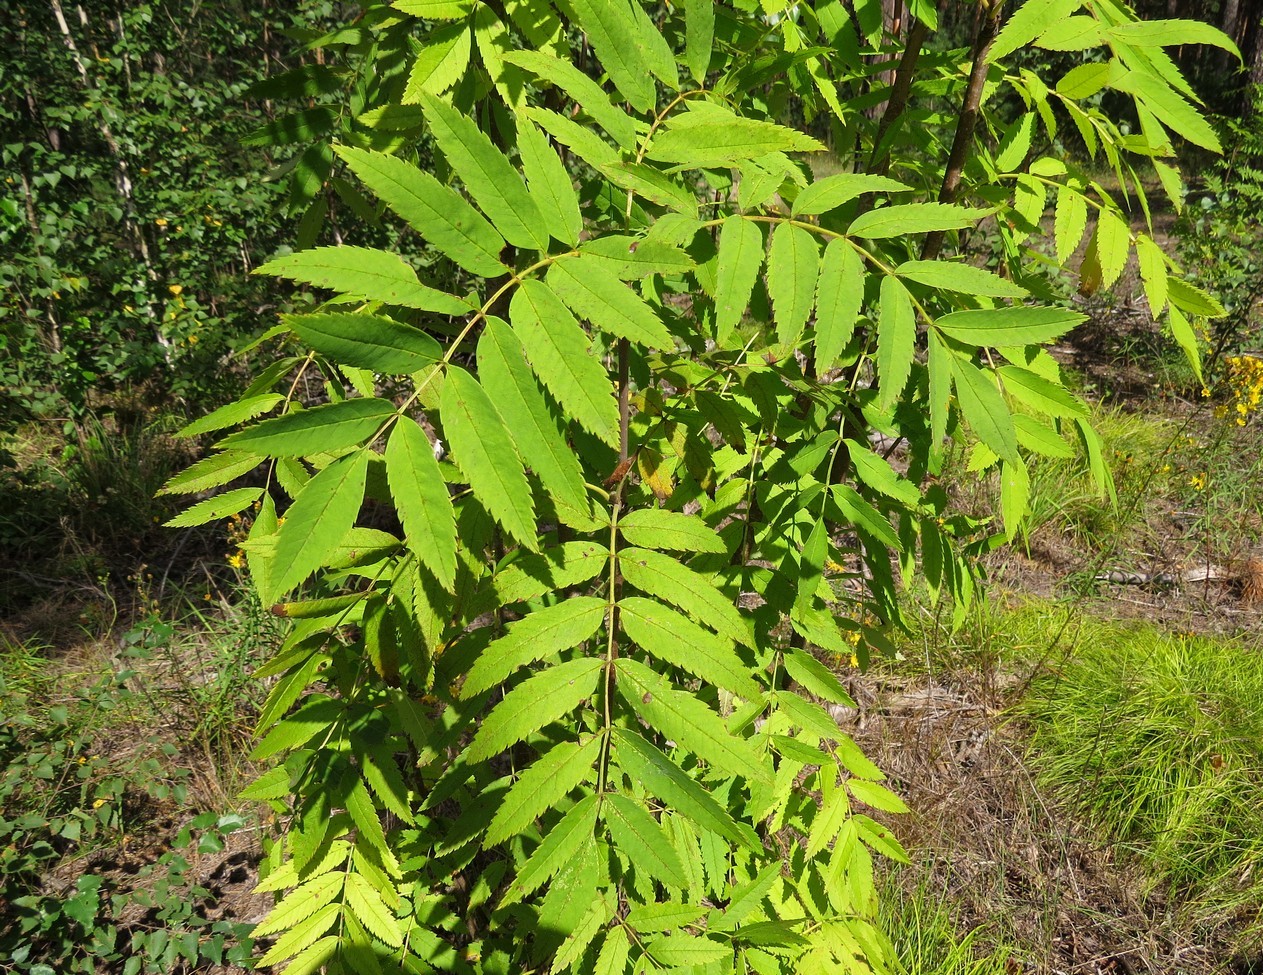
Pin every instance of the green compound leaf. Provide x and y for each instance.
(371, 274)
(620, 126)
(614, 952)
(542, 786)
(661, 777)
(211, 472)
(549, 184)
(324, 511)
(896, 340)
(484, 451)
(831, 192)
(741, 252)
(1016, 326)
(687, 951)
(495, 185)
(367, 341)
(718, 139)
(839, 296)
(671, 638)
(213, 509)
(699, 37)
(301, 903)
(367, 904)
(662, 576)
(421, 498)
(539, 636)
(984, 408)
(1029, 21)
(435, 9)
(877, 796)
(441, 61)
(564, 843)
(632, 258)
(302, 935)
(1069, 222)
(661, 529)
(233, 414)
(638, 837)
(816, 677)
(538, 435)
(684, 719)
(560, 353)
(534, 573)
(535, 703)
(912, 218)
(322, 429)
(793, 264)
(613, 32)
(595, 293)
(436, 212)
(582, 140)
(962, 278)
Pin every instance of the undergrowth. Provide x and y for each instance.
(108, 763)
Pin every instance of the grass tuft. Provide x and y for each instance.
(919, 922)
(1158, 740)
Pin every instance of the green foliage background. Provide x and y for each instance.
(130, 212)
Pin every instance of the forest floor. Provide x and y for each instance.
(1083, 757)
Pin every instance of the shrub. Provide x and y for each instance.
(570, 511)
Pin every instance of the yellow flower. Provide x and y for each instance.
(1198, 481)
(176, 289)
(237, 560)
(161, 221)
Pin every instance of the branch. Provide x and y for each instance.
(900, 91)
(987, 30)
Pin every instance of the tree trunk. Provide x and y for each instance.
(1230, 25)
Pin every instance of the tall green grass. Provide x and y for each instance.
(1157, 740)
